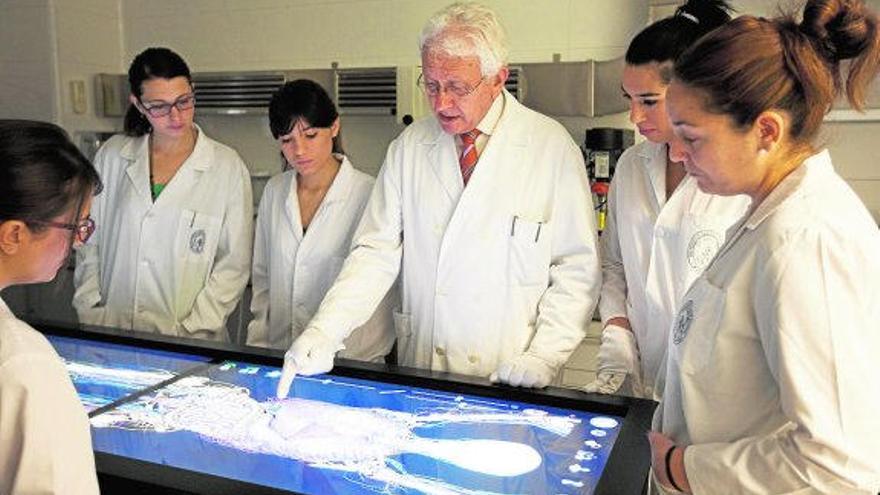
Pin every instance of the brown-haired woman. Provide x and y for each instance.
(46, 189)
(772, 369)
(175, 251)
(662, 230)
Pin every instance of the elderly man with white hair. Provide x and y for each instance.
(485, 212)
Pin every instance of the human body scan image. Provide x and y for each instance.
(349, 436)
(103, 372)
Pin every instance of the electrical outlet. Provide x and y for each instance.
(78, 96)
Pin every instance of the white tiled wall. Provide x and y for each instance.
(856, 155)
(242, 34)
(89, 41)
(27, 60)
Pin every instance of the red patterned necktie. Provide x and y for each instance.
(468, 159)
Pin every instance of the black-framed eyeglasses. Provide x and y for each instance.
(83, 229)
(459, 89)
(182, 103)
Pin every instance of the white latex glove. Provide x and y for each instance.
(618, 359)
(525, 370)
(311, 353)
(606, 382)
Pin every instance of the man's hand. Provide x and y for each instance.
(618, 359)
(526, 370)
(311, 353)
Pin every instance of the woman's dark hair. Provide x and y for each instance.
(42, 174)
(150, 64)
(302, 99)
(751, 65)
(666, 39)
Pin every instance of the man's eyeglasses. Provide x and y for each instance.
(83, 230)
(459, 89)
(185, 102)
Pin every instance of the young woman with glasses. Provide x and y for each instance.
(46, 188)
(174, 253)
(306, 221)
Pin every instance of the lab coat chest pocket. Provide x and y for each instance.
(695, 328)
(528, 251)
(198, 235)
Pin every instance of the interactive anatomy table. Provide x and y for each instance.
(206, 420)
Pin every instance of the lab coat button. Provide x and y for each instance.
(473, 359)
(439, 351)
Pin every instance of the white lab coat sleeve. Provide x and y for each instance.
(258, 328)
(373, 264)
(567, 305)
(818, 328)
(612, 300)
(231, 269)
(44, 433)
(87, 283)
(87, 273)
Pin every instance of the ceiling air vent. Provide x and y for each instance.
(366, 91)
(235, 93)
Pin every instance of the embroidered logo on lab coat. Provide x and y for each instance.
(683, 322)
(702, 248)
(197, 241)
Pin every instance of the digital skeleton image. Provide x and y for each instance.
(119, 379)
(100, 383)
(365, 444)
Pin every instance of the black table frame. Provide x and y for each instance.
(625, 473)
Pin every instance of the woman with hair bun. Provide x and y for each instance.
(662, 230)
(771, 374)
(46, 189)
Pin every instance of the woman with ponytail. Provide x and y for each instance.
(771, 372)
(661, 230)
(173, 255)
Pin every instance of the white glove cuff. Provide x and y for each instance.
(618, 351)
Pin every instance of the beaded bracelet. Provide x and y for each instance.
(669, 468)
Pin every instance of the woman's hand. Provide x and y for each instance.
(661, 452)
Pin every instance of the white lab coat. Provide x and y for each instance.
(177, 266)
(45, 444)
(653, 249)
(477, 289)
(772, 376)
(292, 270)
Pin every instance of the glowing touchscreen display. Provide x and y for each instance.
(350, 436)
(103, 373)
